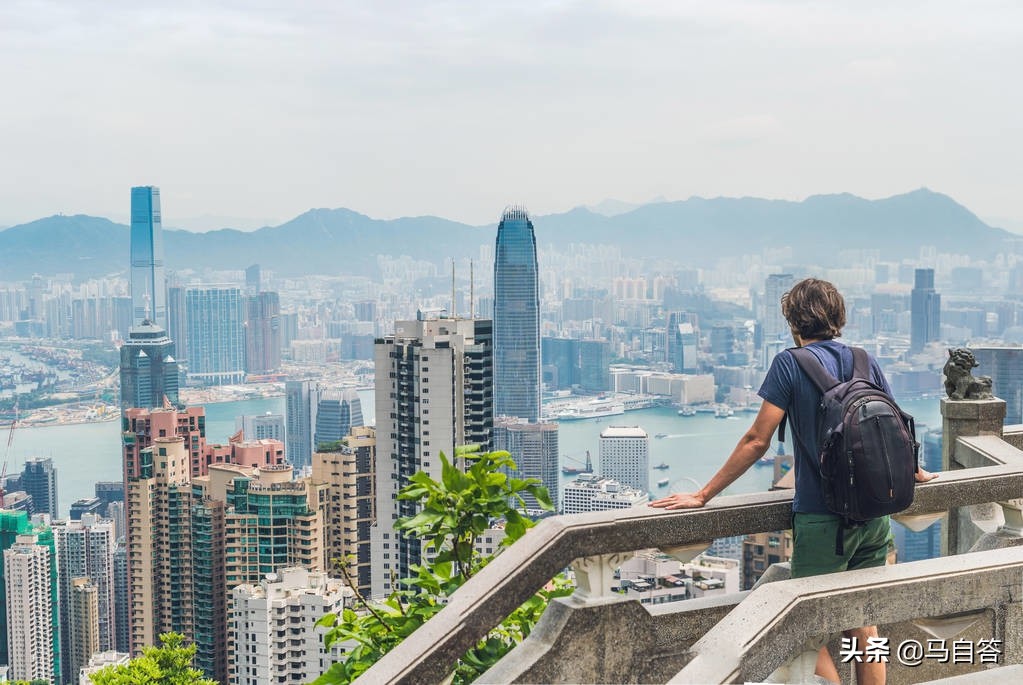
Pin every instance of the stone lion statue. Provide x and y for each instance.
(960, 383)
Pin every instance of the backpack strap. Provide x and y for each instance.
(861, 363)
(814, 370)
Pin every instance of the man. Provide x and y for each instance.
(815, 312)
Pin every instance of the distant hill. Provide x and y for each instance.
(696, 231)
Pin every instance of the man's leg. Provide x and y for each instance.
(867, 673)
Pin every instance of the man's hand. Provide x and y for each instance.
(922, 475)
(682, 500)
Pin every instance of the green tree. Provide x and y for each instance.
(453, 513)
(168, 664)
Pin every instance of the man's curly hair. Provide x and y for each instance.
(814, 309)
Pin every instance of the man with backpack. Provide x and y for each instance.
(854, 456)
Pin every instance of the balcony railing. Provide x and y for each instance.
(724, 638)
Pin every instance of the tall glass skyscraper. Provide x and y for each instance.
(148, 280)
(216, 335)
(516, 319)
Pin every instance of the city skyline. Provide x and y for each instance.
(774, 101)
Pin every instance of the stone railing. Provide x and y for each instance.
(595, 544)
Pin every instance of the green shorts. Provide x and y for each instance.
(813, 544)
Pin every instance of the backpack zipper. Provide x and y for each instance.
(887, 464)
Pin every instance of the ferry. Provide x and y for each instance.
(663, 483)
(576, 470)
(687, 411)
(723, 411)
(661, 435)
(661, 466)
(594, 409)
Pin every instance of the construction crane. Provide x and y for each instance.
(7, 454)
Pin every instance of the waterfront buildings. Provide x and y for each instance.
(289, 602)
(625, 455)
(576, 364)
(534, 447)
(589, 492)
(85, 551)
(149, 371)
(434, 391)
(350, 474)
(315, 415)
(216, 335)
(774, 325)
(39, 480)
(516, 318)
(682, 342)
(925, 309)
(148, 279)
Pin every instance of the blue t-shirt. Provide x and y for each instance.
(787, 387)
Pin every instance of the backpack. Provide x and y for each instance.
(867, 445)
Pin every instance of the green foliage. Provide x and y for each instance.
(168, 664)
(330, 446)
(474, 491)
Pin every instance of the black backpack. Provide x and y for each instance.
(867, 445)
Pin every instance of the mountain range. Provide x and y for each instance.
(694, 232)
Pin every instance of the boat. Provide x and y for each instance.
(575, 470)
(663, 483)
(661, 435)
(594, 409)
(723, 411)
(661, 466)
(766, 460)
(687, 411)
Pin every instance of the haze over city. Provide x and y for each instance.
(248, 116)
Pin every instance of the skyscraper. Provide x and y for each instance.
(263, 333)
(516, 319)
(216, 336)
(337, 412)
(300, 417)
(534, 447)
(149, 372)
(1005, 366)
(682, 342)
(774, 325)
(148, 280)
(31, 602)
(261, 426)
(925, 310)
(434, 391)
(39, 479)
(625, 455)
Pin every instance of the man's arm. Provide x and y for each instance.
(752, 446)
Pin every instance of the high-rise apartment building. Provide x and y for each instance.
(300, 411)
(148, 279)
(246, 522)
(516, 319)
(216, 335)
(434, 390)
(534, 447)
(82, 626)
(149, 371)
(625, 455)
(85, 550)
(337, 412)
(177, 322)
(39, 480)
(925, 309)
(88, 505)
(253, 279)
(33, 647)
(122, 598)
(263, 342)
(288, 602)
(1005, 366)
(350, 475)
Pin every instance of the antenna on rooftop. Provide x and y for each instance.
(454, 314)
(472, 292)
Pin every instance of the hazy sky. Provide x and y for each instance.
(258, 110)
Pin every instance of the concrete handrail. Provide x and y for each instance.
(779, 619)
(514, 576)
